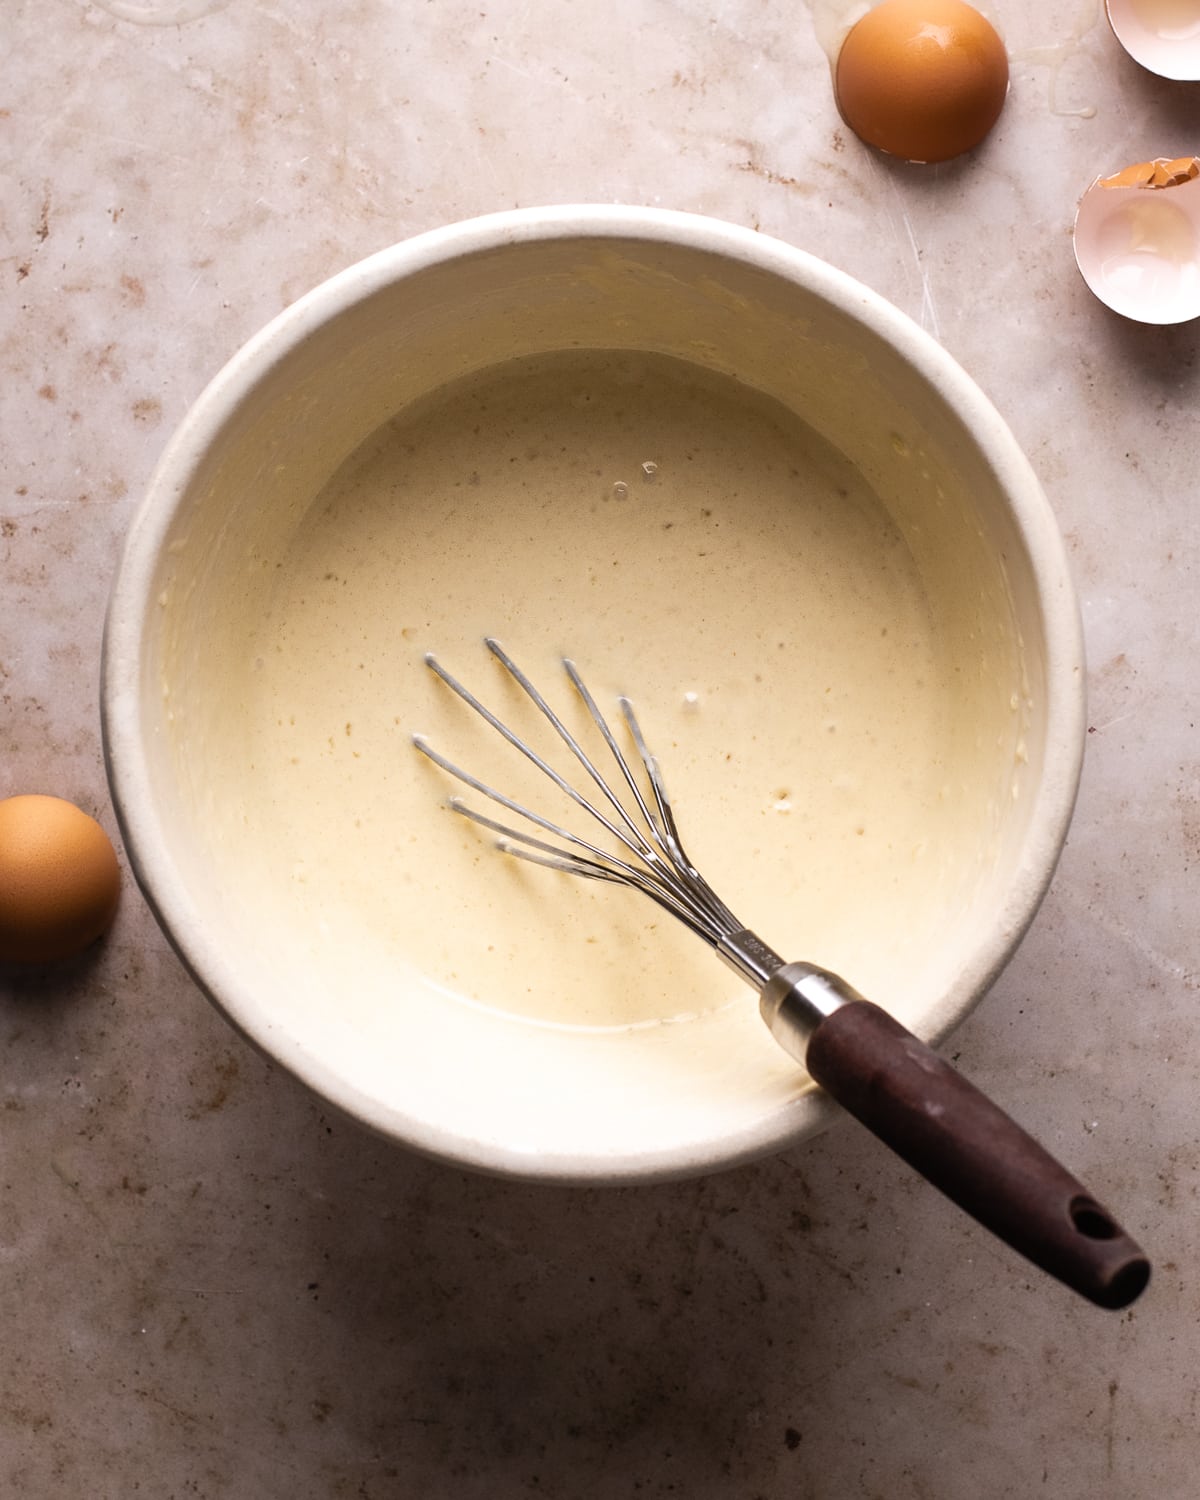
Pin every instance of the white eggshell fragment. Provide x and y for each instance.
(1162, 35)
(1137, 240)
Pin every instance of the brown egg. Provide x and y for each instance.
(922, 79)
(59, 879)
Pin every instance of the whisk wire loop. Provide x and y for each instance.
(660, 867)
(609, 738)
(527, 750)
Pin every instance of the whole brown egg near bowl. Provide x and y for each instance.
(573, 428)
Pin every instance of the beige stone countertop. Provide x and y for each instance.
(212, 1286)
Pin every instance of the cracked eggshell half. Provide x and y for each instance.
(1137, 240)
(1162, 35)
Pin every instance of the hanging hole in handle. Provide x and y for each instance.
(1091, 1220)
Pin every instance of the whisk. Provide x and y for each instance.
(903, 1091)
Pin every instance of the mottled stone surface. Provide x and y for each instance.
(211, 1287)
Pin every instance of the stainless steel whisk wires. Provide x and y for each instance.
(873, 1066)
(657, 863)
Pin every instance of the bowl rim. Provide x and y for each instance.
(132, 600)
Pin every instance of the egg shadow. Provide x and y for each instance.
(1174, 102)
(922, 176)
(52, 986)
(1163, 359)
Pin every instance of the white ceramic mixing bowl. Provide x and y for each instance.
(332, 1002)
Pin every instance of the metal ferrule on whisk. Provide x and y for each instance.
(796, 999)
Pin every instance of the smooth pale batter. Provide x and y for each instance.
(688, 542)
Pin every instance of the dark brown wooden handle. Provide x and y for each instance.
(940, 1124)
